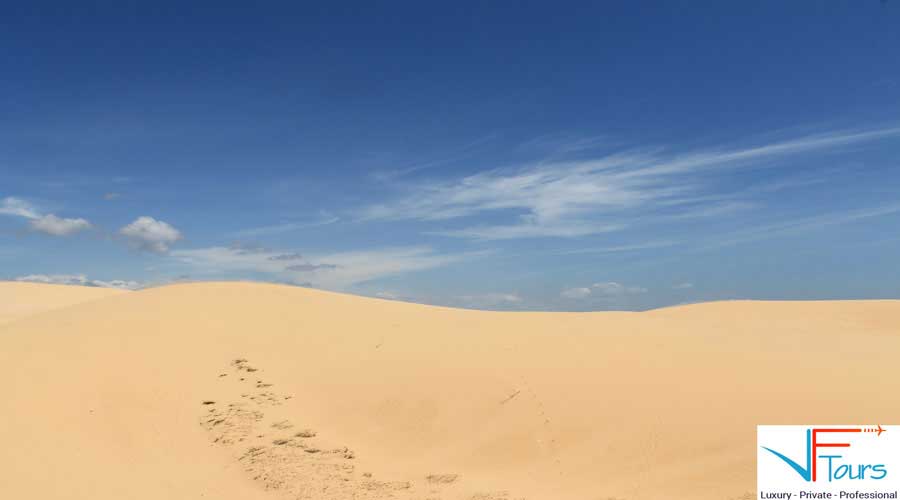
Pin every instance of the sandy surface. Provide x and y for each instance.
(314, 395)
(19, 300)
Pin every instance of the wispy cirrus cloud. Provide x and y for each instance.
(590, 196)
(461, 153)
(649, 245)
(286, 227)
(338, 271)
(569, 229)
(558, 144)
(800, 224)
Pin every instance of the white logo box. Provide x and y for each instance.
(828, 461)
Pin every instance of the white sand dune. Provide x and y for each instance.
(18, 300)
(315, 395)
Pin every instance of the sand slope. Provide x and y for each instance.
(316, 395)
(18, 300)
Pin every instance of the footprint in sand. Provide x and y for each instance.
(290, 463)
(282, 425)
(260, 433)
(441, 478)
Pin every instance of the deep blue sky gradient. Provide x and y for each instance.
(275, 128)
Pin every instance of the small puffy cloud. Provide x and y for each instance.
(58, 226)
(80, 280)
(576, 293)
(683, 286)
(18, 207)
(605, 289)
(149, 234)
(47, 224)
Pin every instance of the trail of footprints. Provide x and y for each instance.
(292, 460)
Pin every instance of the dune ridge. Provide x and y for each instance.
(22, 299)
(254, 391)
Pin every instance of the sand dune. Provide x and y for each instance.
(19, 300)
(251, 391)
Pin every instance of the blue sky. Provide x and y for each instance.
(535, 155)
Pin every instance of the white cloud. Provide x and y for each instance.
(799, 225)
(579, 198)
(609, 289)
(613, 288)
(570, 229)
(58, 226)
(18, 207)
(683, 286)
(147, 233)
(333, 271)
(621, 248)
(48, 224)
(564, 143)
(454, 156)
(79, 279)
(576, 293)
